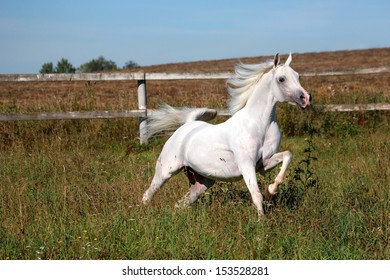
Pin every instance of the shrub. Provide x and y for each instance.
(64, 66)
(97, 65)
(130, 65)
(47, 68)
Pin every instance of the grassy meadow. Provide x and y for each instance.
(72, 189)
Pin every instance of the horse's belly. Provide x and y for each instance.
(206, 151)
(214, 163)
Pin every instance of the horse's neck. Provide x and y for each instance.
(261, 105)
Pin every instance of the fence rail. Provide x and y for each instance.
(143, 113)
(141, 79)
(73, 115)
(162, 76)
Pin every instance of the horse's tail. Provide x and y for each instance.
(169, 118)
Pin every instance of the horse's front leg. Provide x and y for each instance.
(284, 157)
(249, 174)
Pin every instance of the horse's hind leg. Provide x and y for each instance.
(198, 185)
(164, 171)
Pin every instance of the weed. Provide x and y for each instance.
(302, 178)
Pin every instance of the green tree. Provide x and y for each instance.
(47, 68)
(64, 66)
(97, 65)
(130, 65)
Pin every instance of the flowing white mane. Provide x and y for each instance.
(240, 85)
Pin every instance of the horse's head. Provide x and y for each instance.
(286, 85)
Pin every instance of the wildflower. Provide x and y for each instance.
(95, 239)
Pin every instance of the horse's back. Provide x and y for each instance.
(176, 144)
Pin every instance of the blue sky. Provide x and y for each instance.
(166, 31)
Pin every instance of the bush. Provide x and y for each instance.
(97, 65)
(130, 65)
(47, 68)
(63, 66)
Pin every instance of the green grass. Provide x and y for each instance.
(72, 190)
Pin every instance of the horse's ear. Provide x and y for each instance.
(289, 59)
(276, 60)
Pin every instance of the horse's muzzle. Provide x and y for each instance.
(305, 99)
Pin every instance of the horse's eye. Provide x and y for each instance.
(282, 79)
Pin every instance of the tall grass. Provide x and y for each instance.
(72, 190)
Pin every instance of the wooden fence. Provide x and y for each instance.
(141, 79)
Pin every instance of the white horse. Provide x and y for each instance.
(237, 148)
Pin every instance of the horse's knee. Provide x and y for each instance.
(287, 156)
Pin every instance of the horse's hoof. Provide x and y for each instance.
(145, 199)
(260, 216)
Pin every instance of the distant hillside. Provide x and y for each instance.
(310, 62)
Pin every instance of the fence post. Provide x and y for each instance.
(142, 106)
